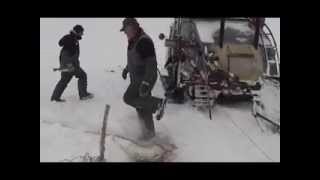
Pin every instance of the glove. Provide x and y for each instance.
(144, 89)
(124, 73)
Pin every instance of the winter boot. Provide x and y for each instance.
(58, 100)
(160, 109)
(87, 96)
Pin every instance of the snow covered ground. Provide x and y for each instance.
(73, 128)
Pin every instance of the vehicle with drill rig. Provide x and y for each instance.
(213, 60)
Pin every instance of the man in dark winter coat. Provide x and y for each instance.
(142, 67)
(70, 65)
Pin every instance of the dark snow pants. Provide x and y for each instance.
(66, 78)
(145, 106)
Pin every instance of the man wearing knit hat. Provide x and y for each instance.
(70, 65)
(142, 67)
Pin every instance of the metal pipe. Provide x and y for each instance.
(257, 33)
(222, 24)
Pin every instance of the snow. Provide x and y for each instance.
(58, 143)
(73, 128)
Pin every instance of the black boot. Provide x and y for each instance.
(87, 96)
(160, 110)
(58, 100)
(147, 139)
(148, 125)
(82, 84)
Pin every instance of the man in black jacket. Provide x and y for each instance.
(142, 67)
(70, 65)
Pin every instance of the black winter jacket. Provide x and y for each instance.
(147, 68)
(70, 50)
